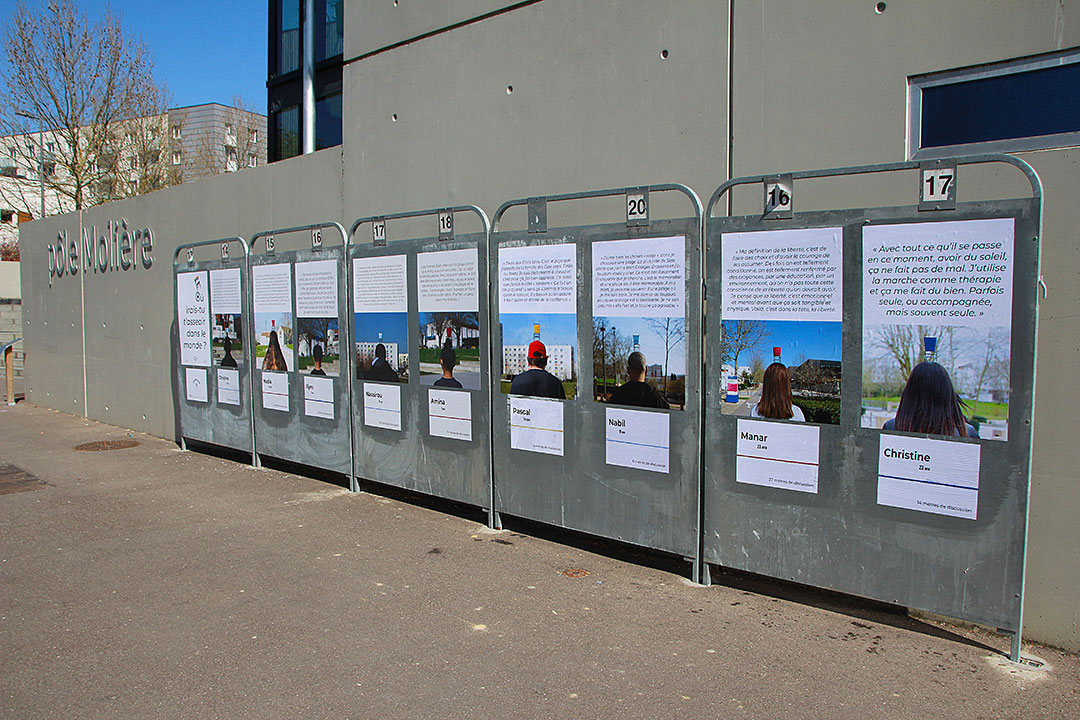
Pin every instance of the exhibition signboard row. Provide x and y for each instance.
(833, 491)
(885, 320)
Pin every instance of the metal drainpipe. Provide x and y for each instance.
(309, 76)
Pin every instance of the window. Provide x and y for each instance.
(177, 132)
(134, 163)
(328, 28)
(287, 137)
(230, 159)
(49, 146)
(1026, 104)
(228, 129)
(253, 160)
(328, 121)
(288, 50)
(11, 152)
(253, 135)
(176, 157)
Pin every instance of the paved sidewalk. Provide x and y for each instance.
(153, 583)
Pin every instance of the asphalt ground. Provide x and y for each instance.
(154, 583)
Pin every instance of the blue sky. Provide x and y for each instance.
(204, 50)
(555, 329)
(393, 326)
(650, 343)
(815, 340)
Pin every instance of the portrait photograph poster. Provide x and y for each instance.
(782, 302)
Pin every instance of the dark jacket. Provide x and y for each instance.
(638, 394)
(537, 383)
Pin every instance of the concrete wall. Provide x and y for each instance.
(555, 96)
(127, 314)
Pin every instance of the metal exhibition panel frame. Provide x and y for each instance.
(579, 490)
(455, 468)
(299, 434)
(224, 424)
(840, 538)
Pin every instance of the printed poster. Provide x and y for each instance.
(228, 386)
(193, 318)
(538, 303)
(318, 397)
(776, 454)
(275, 391)
(639, 321)
(941, 292)
(638, 439)
(934, 476)
(448, 300)
(450, 414)
(318, 339)
(195, 380)
(381, 318)
(226, 310)
(782, 327)
(382, 405)
(536, 425)
(272, 304)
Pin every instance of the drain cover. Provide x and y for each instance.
(14, 479)
(575, 572)
(107, 445)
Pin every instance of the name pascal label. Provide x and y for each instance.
(905, 455)
(753, 437)
(520, 411)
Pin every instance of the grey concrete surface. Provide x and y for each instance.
(150, 582)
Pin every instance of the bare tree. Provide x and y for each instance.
(671, 331)
(76, 83)
(740, 336)
(757, 368)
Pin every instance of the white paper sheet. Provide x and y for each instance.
(275, 390)
(640, 278)
(777, 454)
(225, 292)
(228, 386)
(783, 275)
(450, 414)
(382, 405)
(380, 284)
(536, 425)
(193, 318)
(934, 476)
(271, 287)
(955, 273)
(318, 396)
(317, 289)
(538, 279)
(448, 281)
(195, 379)
(638, 439)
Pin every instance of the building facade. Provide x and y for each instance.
(481, 102)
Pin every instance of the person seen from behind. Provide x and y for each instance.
(635, 391)
(930, 404)
(447, 360)
(775, 401)
(537, 381)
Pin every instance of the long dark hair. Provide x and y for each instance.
(274, 359)
(929, 404)
(776, 393)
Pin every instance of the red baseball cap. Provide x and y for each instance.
(537, 350)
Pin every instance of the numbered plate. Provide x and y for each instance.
(779, 198)
(446, 224)
(378, 232)
(937, 185)
(637, 206)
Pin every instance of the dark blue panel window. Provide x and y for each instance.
(328, 122)
(1018, 105)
